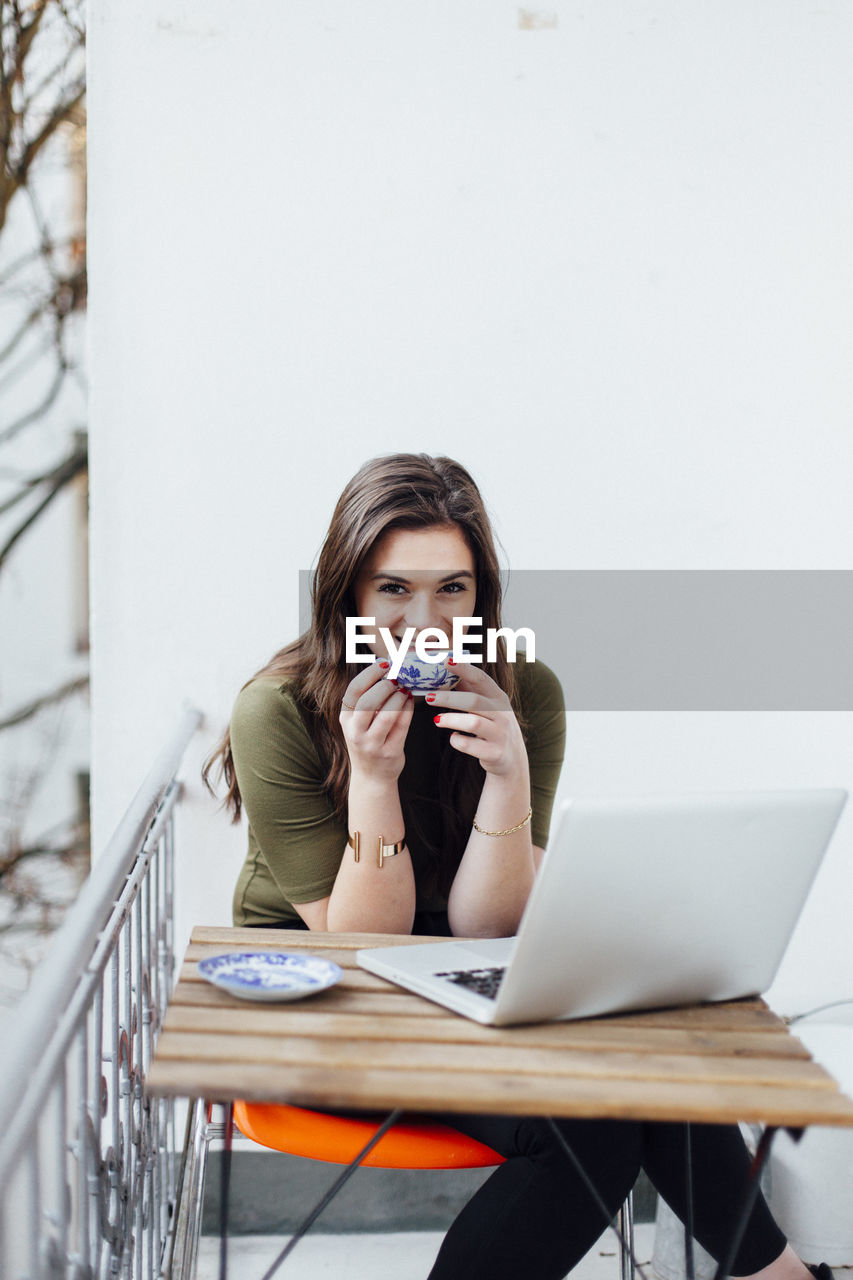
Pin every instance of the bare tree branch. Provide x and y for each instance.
(62, 112)
(33, 415)
(73, 836)
(66, 472)
(28, 483)
(31, 256)
(23, 329)
(18, 36)
(42, 92)
(30, 709)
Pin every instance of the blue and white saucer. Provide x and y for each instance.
(270, 975)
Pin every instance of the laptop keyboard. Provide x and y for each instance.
(484, 981)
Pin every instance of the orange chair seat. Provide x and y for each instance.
(411, 1144)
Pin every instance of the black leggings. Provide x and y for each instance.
(535, 1218)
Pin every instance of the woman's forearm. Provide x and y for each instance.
(494, 879)
(365, 896)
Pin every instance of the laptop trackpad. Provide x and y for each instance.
(484, 951)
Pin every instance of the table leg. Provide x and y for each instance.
(689, 1261)
(224, 1189)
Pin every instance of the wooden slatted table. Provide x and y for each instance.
(366, 1043)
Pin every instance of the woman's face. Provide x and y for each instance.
(421, 578)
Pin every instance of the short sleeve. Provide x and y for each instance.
(543, 708)
(291, 818)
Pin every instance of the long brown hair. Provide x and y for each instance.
(398, 491)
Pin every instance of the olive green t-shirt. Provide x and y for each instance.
(296, 842)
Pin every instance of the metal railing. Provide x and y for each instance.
(87, 1162)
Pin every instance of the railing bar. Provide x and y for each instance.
(99, 1212)
(126, 1071)
(145, 975)
(164, 1193)
(140, 1057)
(34, 1197)
(90, 992)
(49, 1056)
(169, 905)
(157, 994)
(159, 938)
(87, 1174)
(140, 989)
(40, 1077)
(140, 1068)
(96, 1060)
(61, 1138)
(115, 1052)
(97, 1100)
(149, 1028)
(156, 1229)
(128, 893)
(127, 1165)
(161, 818)
(144, 1214)
(56, 978)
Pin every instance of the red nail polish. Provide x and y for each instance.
(430, 697)
(450, 662)
(385, 665)
(436, 719)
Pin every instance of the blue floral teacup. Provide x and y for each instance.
(422, 676)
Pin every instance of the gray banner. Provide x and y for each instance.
(687, 640)
(692, 640)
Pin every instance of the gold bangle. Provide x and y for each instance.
(383, 850)
(509, 830)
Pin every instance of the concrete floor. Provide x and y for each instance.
(396, 1255)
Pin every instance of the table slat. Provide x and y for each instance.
(598, 1033)
(485, 1092)
(354, 1055)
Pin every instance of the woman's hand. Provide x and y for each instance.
(496, 873)
(375, 718)
(479, 707)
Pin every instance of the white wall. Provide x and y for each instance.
(600, 253)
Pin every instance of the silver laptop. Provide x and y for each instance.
(639, 904)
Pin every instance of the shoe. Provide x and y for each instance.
(822, 1271)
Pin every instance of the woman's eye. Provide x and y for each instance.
(453, 588)
(392, 588)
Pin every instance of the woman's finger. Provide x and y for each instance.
(484, 751)
(386, 714)
(473, 678)
(478, 725)
(474, 703)
(365, 680)
(398, 732)
(374, 697)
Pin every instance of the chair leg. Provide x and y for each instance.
(625, 1225)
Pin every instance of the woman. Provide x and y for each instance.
(331, 760)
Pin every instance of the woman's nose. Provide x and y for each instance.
(424, 614)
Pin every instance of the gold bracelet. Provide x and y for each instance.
(383, 850)
(509, 830)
